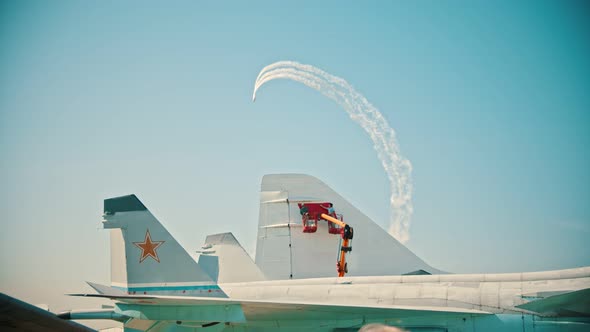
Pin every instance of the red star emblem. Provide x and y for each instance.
(148, 247)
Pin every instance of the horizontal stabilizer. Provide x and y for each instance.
(572, 304)
(102, 289)
(114, 296)
(273, 310)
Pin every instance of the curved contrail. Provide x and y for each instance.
(397, 168)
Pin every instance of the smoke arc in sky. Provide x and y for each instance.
(361, 111)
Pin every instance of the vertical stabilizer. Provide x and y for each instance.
(232, 261)
(145, 258)
(284, 250)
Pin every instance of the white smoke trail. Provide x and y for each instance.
(397, 168)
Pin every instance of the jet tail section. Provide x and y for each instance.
(285, 251)
(227, 261)
(145, 258)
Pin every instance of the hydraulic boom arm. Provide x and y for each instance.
(347, 234)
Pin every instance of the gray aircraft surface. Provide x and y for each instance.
(17, 315)
(292, 286)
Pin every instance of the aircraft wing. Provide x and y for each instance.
(572, 304)
(16, 315)
(267, 310)
(234, 310)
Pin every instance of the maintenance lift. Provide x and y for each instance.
(312, 213)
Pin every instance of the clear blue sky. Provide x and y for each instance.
(490, 102)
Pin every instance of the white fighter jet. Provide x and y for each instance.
(293, 286)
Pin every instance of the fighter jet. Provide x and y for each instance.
(158, 286)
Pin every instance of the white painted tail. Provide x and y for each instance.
(284, 251)
(145, 258)
(227, 260)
